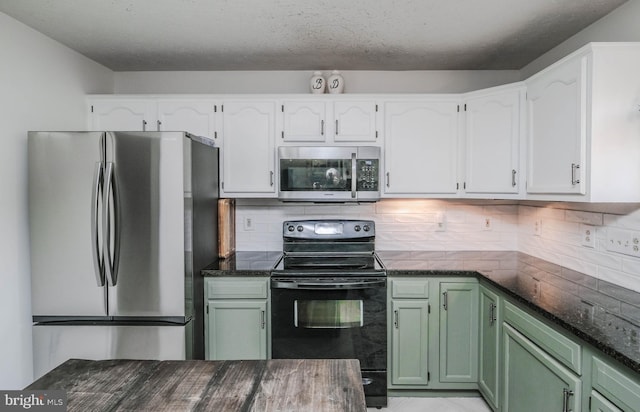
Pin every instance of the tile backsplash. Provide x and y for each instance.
(547, 232)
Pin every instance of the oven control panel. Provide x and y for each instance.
(328, 229)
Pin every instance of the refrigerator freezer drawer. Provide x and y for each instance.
(53, 345)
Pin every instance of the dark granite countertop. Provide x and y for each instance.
(602, 314)
(243, 264)
(330, 385)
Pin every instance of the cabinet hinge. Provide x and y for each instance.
(283, 134)
(282, 108)
(428, 376)
(222, 107)
(458, 108)
(465, 107)
(376, 134)
(376, 107)
(91, 108)
(457, 186)
(215, 108)
(464, 185)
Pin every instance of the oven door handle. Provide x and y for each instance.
(296, 284)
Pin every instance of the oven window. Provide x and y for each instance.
(328, 314)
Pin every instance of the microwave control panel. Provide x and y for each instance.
(368, 173)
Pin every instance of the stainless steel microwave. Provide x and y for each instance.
(329, 174)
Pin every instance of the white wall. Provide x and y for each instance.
(401, 224)
(410, 224)
(619, 25)
(560, 241)
(42, 87)
(452, 81)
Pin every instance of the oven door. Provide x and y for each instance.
(330, 318)
(334, 318)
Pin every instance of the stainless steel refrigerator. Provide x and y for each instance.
(121, 223)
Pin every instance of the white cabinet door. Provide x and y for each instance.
(492, 142)
(304, 121)
(355, 121)
(328, 121)
(556, 102)
(421, 140)
(123, 115)
(248, 154)
(193, 116)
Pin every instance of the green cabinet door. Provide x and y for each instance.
(490, 321)
(409, 342)
(236, 329)
(599, 403)
(533, 380)
(459, 332)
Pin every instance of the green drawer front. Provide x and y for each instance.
(409, 288)
(245, 288)
(615, 386)
(559, 346)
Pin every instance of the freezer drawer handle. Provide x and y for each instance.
(98, 261)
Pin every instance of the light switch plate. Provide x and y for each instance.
(623, 241)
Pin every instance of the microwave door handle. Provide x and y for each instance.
(354, 178)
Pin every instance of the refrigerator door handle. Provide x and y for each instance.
(110, 225)
(98, 261)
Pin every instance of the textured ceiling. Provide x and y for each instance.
(130, 35)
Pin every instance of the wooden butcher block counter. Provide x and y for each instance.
(197, 385)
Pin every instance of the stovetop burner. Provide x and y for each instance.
(329, 248)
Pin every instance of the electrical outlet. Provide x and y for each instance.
(248, 223)
(536, 288)
(588, 236)
(537, 227)
(623, 241)
(441, 224)
(487, 224)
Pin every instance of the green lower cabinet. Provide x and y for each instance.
(599, 403)
(236, 329)
(459, 332)
(620, 387)
(533, 380)
(489, 355)
(409, 343)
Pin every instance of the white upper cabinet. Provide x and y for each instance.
(355, 121)
(123, 114)
(557, 136)
(248, 149)
(129, 114)
(493, 123)
(304, 121)
(420, 148)
(328, 121)
(583, 126)
(197, 117)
